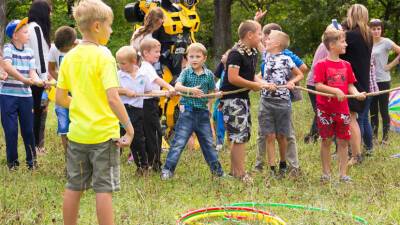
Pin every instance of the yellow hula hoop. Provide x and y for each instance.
(250, 216)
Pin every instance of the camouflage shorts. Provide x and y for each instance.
(237, 119)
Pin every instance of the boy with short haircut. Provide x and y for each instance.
(65, 40)
(90, 75)
(133, 83)
(292, 156)
(241, 65)
(194, 113)
(15, 94)
(275, 106)
(334, 75)
(150, 51)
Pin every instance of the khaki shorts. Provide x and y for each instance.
(94, 166)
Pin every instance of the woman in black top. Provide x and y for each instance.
(358, 53)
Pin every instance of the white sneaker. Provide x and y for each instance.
(218, 147)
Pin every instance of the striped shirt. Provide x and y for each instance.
(23, 61)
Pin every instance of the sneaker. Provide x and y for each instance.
(40, 151)
(218, 147)
(13, 166)
(356, 160)
(131, 160)
(166, 174)
(368, 152)
(247, 179)
(325, 178)
(345, 179)
(258, 169)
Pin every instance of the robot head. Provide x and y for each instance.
(187, 3)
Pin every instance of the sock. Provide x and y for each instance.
(282, 165)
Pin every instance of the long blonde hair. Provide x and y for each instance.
(357, 15)
(150, 21)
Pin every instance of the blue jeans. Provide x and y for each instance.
(365, 126)
(218, 117)
(62, 120)
(193, 120)
(14, 110)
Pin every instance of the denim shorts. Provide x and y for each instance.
(62, 120)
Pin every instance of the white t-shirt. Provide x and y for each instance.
(151, 75)
(56, 56)
(40, 50)
(380, 52)
(136, 43)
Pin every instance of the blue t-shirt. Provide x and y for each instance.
(23, 61)
(189, 78)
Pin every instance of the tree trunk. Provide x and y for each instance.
(3, 21)
(222, 36)
(70, 4)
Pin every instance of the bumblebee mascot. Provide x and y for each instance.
(180, 23)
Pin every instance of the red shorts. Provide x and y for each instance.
(330, 124)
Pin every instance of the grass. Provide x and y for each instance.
(36, 197)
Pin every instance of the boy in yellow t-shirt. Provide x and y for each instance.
(89, 73)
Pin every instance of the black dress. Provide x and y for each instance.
(358, 54)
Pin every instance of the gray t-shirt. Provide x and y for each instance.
(380, 52)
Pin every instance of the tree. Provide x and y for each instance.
(222, 27)
(3, 20)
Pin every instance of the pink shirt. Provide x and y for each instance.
(320, 53)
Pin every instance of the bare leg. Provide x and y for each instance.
(71, 206)
(355, 139)
(104, 208)
(238, 156)
(64, 141)
(326, 156)
(283, 144)
(271, 149)
(343, 159)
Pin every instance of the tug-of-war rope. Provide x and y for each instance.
(247, 211)
(223, 93)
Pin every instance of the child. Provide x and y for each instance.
(218, 117)
(16, 96)
(95, 108)
(195, 115)
(133, 82)
(275, 106)
(65, 40)
(334, 75)
(241, 65)
(150, 50)
(292, 156)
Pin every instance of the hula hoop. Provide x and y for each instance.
(229, 213)
(301, 207)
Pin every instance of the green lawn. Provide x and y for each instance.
(36, 198)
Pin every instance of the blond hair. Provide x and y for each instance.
(86, 12)
(127, 52)
(148, 44)
(283, 38)
(197, 47)
(357, 15)
(332, 35)
(247, 26)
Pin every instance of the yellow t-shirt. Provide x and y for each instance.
(87, 71)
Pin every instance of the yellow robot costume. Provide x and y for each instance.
(181, 21)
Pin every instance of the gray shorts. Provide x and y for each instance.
(237, 119)
(94, 166)
(274, 117)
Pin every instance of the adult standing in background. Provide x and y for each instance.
(39, 42)
(358, 53)
(380, 51)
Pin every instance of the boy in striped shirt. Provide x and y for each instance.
(15, 94)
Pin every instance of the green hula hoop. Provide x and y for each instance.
(301, 207)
